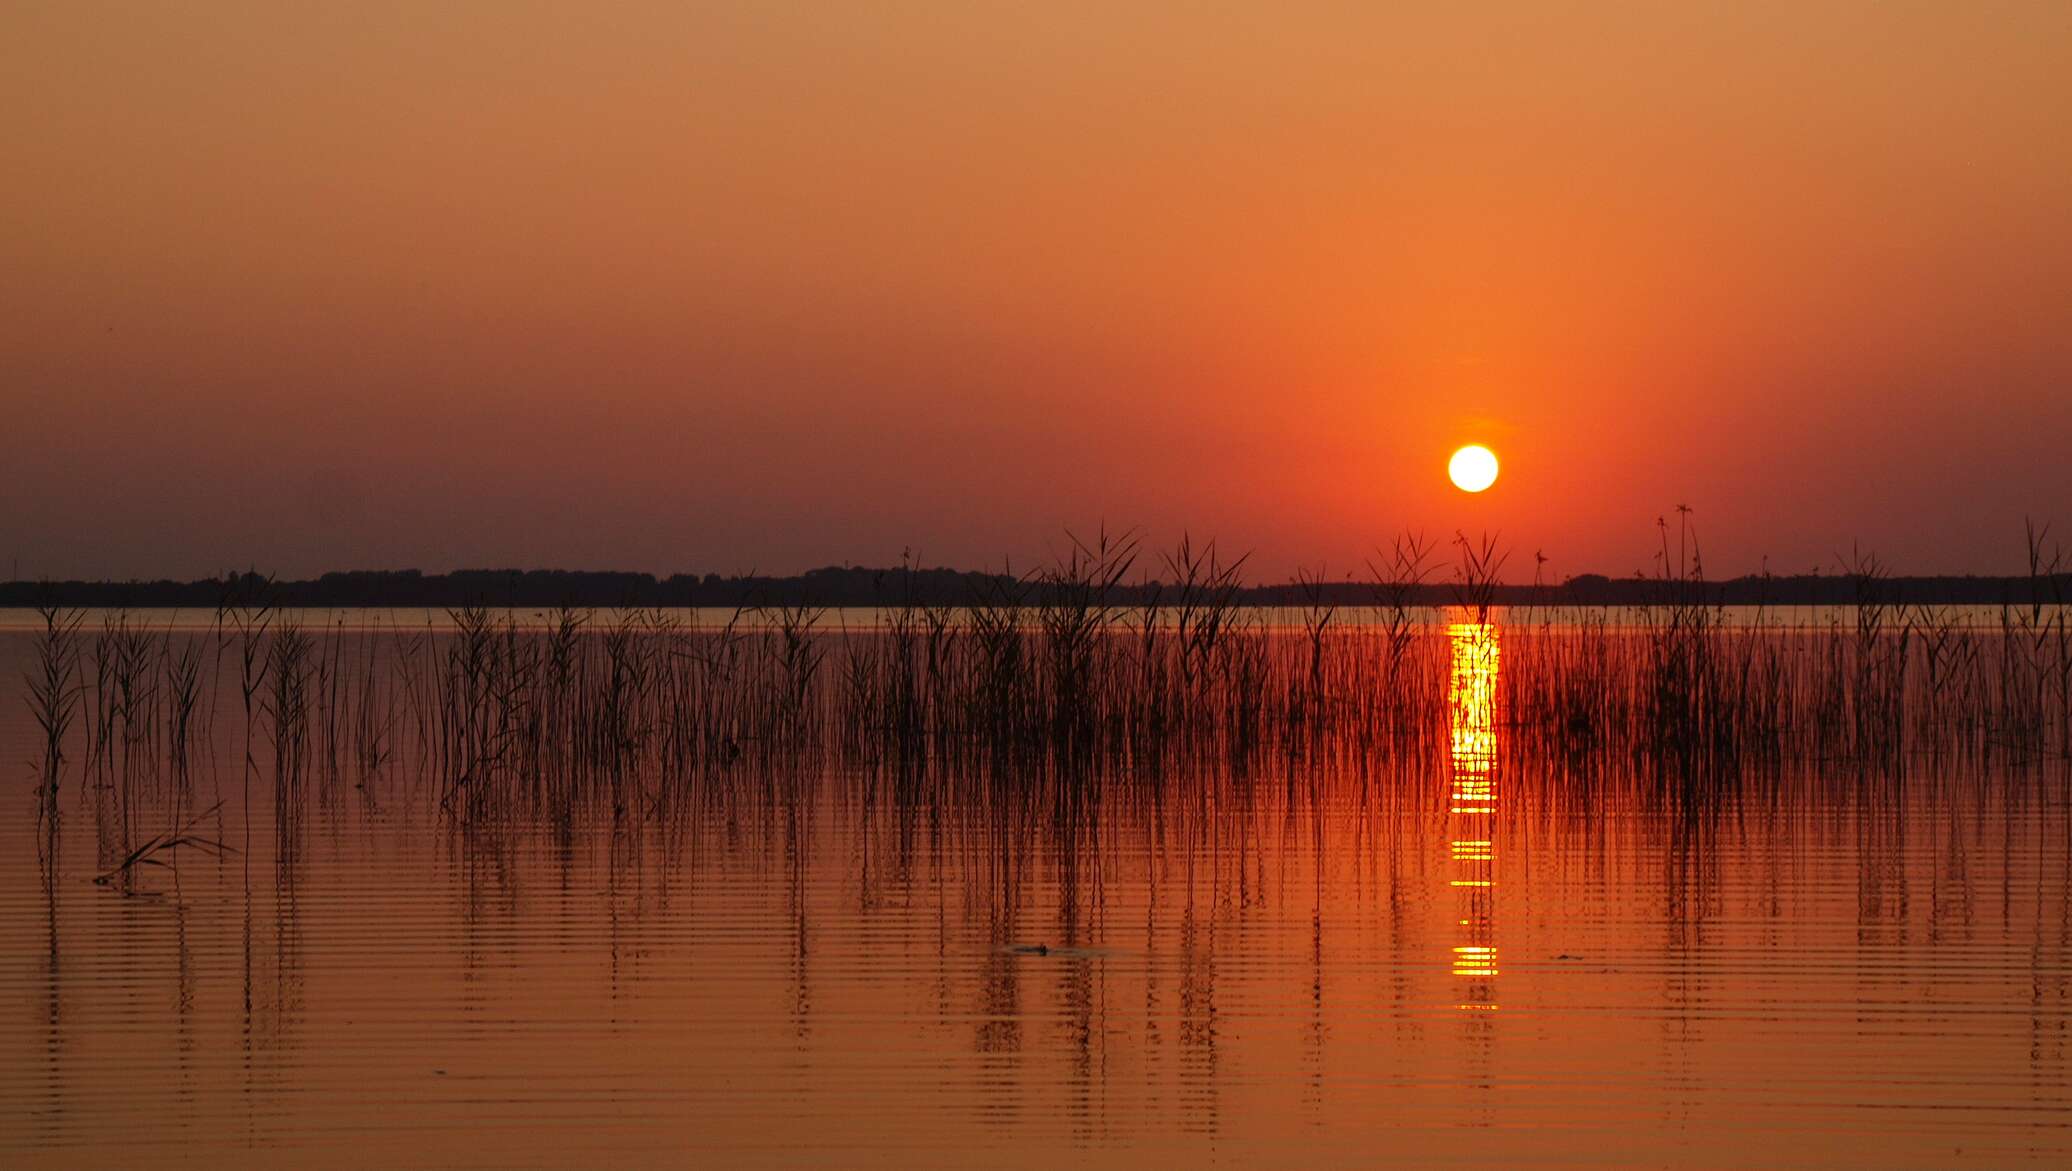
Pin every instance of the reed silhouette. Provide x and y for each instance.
(1085, 673)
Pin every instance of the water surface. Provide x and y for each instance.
(1465, 957)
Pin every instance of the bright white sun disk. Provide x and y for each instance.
(1472, 468)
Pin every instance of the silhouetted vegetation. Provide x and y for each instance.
(1086, 666)
(1058, 682)
(853, 587)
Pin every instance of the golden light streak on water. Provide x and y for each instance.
(1471, 728)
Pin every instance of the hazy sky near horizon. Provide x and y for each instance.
(711, 287)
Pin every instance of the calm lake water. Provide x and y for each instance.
(1470, 957)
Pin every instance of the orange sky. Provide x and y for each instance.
(681, 288)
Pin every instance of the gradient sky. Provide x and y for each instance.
(685, 287)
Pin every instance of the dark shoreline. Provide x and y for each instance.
(851, 587)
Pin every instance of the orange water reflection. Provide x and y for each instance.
(1471, 726)
(960, 964)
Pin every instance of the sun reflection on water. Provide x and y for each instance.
(1471, 726)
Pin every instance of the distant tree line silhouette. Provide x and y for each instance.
(856, 586)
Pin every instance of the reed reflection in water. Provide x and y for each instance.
(942, 958)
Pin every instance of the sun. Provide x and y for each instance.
(1472, 468)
